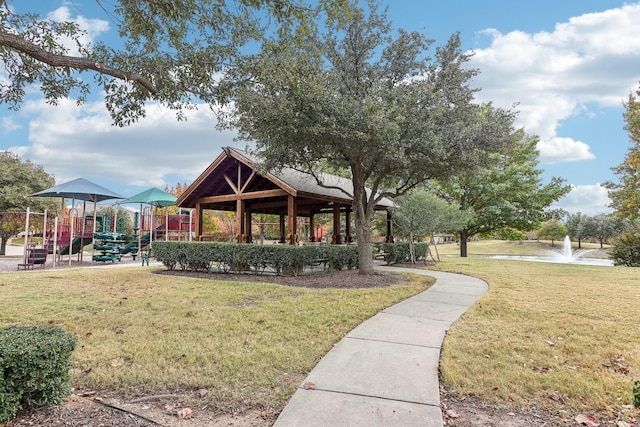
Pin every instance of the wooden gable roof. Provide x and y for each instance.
(233, 176)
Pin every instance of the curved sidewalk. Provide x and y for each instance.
(385, 371)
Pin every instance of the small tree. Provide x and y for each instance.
(577, 227)
(552, 230)
(422, 214)
(18, 181)
(604, 227)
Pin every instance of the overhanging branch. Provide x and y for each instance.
(36, 52)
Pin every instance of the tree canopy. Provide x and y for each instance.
(510, 193)
(360, 97)
(177, 53)
(577, 227)
(625, 195)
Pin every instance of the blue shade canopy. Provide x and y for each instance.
(153, 197)
(80, 189)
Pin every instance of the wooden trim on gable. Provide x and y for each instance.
(200, 179)
(243, 196)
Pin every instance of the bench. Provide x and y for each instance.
(35, 256)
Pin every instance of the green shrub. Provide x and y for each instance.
(34, 363)
(636, 394)
(625, 250)
(226, 257)
(395, 253)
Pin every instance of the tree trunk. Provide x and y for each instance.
(432, 242)
(412, 249)
(365, 259)
(463, 243)
(363, 214)
(3, 246)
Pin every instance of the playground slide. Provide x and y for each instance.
(144, 241)
(76, 244)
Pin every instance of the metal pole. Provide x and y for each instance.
(55, 241)
(26, 234)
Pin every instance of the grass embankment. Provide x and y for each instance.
(143, 334)
(565, 336)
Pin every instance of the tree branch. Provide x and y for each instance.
(36, 52)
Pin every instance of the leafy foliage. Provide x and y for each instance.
(357, 96)
(625, 250)
(507, 194)
(421, 214)
(34, 367)
(603, 227)
(394, 253)
(175, 53)
(625, 195)
(552, 230)
(577, 227)
(18, 181)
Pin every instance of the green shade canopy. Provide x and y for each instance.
(153, 197)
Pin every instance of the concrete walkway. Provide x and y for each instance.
(385, 371)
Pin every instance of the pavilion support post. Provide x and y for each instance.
(347, 226)
(199, 221)
(283, 236)
(312, 228)
(240, 214)
(337, 238)
(247, 226)
(389, 238)
(292, 216)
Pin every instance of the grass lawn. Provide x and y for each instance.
(564, 336)
(141, 334)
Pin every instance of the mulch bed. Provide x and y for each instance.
(319, 280)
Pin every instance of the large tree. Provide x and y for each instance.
(359, 97)
(510, 193)
(625, 195)
(177, 53)
(18, 181)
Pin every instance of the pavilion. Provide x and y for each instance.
(234, 182)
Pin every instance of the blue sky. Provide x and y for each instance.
(567, 64)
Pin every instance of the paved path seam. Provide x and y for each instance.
(385, 371)
(392, 342)
(366, 395)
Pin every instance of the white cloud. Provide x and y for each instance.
(556, 150)
(72, 141)
(590, 61)
(93, 28)
(588, 199)
(8, 124)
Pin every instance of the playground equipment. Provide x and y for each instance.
(76, 230)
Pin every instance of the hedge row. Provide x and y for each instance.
(34, 367)
(232, 257)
